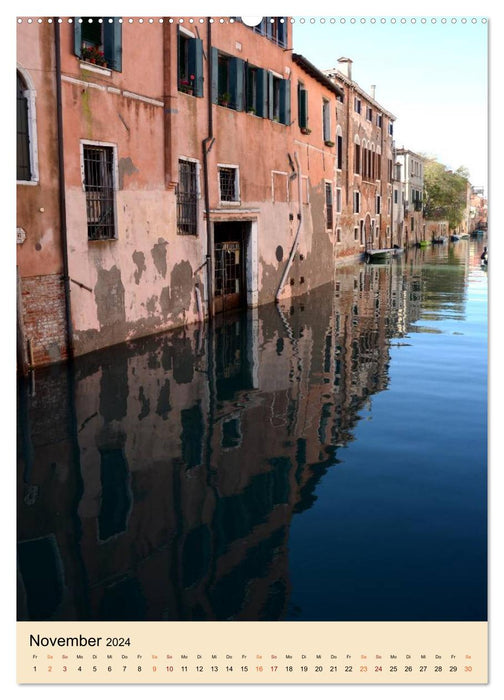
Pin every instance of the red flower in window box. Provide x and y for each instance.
(93, 54)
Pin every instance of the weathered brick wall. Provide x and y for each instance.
(43, 301)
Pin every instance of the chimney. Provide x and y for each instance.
(373, 91)
(345, 66)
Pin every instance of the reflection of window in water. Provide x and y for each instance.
(192, 435)
(115, 494)
(42, 575)
(231, 433)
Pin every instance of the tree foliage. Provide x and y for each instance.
(445, 192)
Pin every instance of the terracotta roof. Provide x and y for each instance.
(312, 70)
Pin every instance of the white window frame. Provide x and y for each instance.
(356, 210)
(339, 200)
(30, 94)
(236, 168)
(198, 171)
(362, 233)
(188, 159)
(115, 181)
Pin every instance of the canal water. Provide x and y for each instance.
(325, 460)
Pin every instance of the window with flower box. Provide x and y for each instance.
(190, 64)
(99, 42)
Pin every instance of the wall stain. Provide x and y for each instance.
(109, 297)
(164, 302)
(139, 260)
(125, 167)
(151, 304)
(158, 253)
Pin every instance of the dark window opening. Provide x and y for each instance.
(187, 198)
(302, 106)
(99, 188)
(190, 65)
(97, 42)
(357, 159)
(339, 152)
(23, 169)
(224, 90)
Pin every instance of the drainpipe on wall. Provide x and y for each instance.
(296, 239)
(61, 193)
(207, 145)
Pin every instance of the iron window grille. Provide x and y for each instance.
(329, 205)
(99, 188)
(227, 183)
(187, 199)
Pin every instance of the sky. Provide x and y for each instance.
(432, 77)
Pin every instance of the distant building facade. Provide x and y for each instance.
(412, 169)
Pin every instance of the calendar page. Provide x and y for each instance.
(252, 284)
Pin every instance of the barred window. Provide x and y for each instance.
(228, 184)
(187, 198)
(99, 188)
(329, 205)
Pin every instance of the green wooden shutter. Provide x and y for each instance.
(262, 92)
(270, 95)
(236, 82)
(77, 37)
(196, 65)
(303, 108)
(215, 75)
(112, 43)
(285, 101)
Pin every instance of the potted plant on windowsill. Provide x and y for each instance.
(93, 54)
(251, 110)
(329, 143)
(186, 85)
(224, 99)
(305, 130)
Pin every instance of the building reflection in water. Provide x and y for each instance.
(158, 479)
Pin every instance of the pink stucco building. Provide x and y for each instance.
(173, 170)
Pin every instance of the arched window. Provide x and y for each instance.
(26, 147)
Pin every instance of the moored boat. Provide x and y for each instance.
(454, 237)
(439, 240)
(379, 254)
